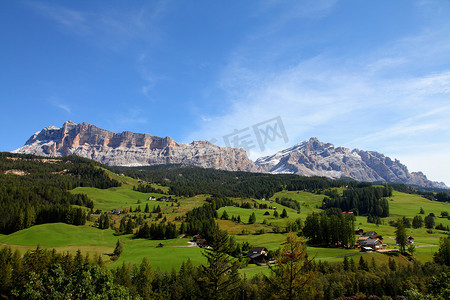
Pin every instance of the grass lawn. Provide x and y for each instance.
(171, 256)
(117, 197)
(409, 205)
(308, 201)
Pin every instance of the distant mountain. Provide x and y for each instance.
(132, 149)
(314, 158)
(308, 158)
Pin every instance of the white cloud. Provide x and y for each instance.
(55, 101)
(106, 27)
(394, 98)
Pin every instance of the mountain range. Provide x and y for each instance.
(308, 158)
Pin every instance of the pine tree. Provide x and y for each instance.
(417, 222)
(119, 248)
(147, 209)
(143, 279)
(400, 235)
(292, 276)
(129, 227)
(220, 278)
(429, 221)
(252, 218)
(224, 215)
(392, 264)
(284, 214)
(362, 265)
(346, 263)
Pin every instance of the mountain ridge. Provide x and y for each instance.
(307, 158)
(132, 149)
(314, 158)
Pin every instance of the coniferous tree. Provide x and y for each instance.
(252, 218)
(400, 235)
(119, 248)
(143, 279)
(417, 222)
(292, 275)
(346, 264)
(429, 221)
(224, 215)
(442, 256)
(129, 227)
(220, 277)
(362, 265)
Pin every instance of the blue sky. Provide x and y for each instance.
(373, 75)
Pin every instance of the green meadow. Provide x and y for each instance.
(94, 241)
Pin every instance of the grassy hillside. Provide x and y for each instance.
(70, 238)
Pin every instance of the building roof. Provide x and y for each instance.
(371, 242)
(257, 250)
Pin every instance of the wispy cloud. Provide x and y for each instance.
(126, 120)
(74, 20)
(55, 101)
(106, 27)
(395, 95)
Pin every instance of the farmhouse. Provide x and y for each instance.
(359, 231)
(151, 198)
(370, 244)
(166, 199)
(410, 239)
(257, 254)
(372, 234)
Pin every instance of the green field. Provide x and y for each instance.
(94, 241)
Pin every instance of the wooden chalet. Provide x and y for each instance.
(257, 254)
(370, 244)
(372, 234)
(166, 199)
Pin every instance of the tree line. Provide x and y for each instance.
(46, 274)
(190, 181)
(34, 190)
(368, 200)
(335, 230)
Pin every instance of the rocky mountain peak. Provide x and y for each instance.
(314, 158)
(308, 158)
(132, 149)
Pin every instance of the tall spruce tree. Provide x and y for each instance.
(292, 276)
(400, 235)
(220, 278)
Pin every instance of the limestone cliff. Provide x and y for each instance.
(132, 149)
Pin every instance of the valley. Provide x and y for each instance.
(96, 242)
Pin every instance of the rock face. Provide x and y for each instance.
(314, 158)
(132, 149)
(308, 158)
